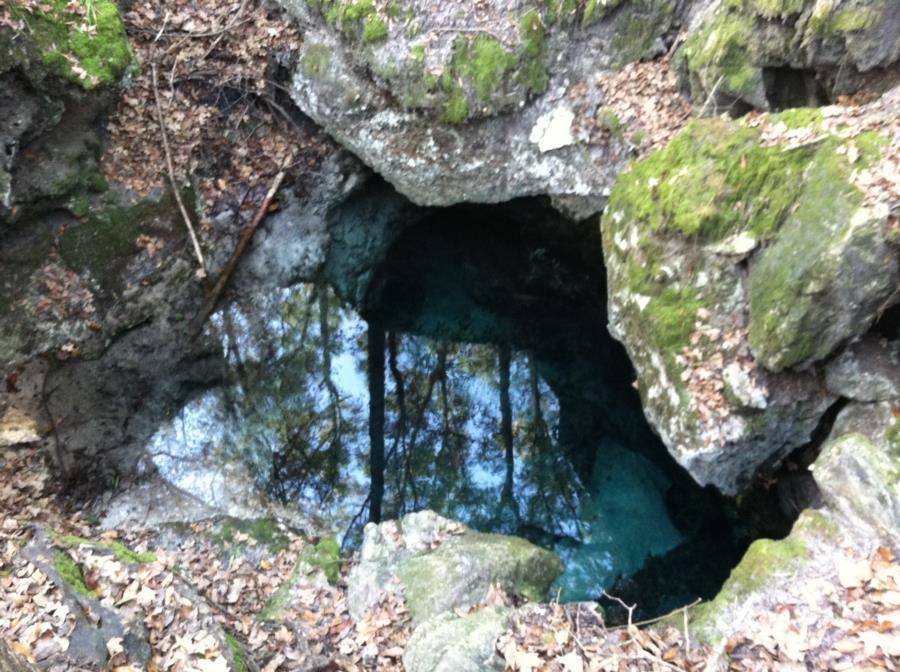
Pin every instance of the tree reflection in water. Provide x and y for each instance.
(478, 379)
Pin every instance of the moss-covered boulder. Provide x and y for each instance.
(858, 470)
(788, 53)
(735, 261)
(452, 643)
(440, 565)
(858, 473)
(454, 102)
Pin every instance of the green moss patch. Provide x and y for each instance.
(713, 180)
(326, 555)
(70, 572)
(721, 54)
(238, 654)
(90, 51)
(481, 77)
(119, 550)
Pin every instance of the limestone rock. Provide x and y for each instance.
(689, 262)
(451, 643)
(822, 282)
(485, 102)
(788, 53)
(441, 565)
(859, 473)
(866, 371)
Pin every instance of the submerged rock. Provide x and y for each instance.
(441, 565)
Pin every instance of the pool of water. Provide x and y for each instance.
(507, 405)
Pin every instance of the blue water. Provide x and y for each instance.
(603, 524)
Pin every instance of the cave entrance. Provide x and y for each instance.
(787, 88)
(498, 398)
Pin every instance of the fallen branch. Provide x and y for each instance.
(171, 169)
(215, 293)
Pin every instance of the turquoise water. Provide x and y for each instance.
(507, 406)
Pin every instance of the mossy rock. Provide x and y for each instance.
(459, 572)
(105, 240)
(119, 550)
(89, 51)
(764, 563)
(452, 643)
(860, 475)
(824, 280)
(735, 40)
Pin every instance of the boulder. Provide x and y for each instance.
(857, 473)
(858, 470)
(736, 261)
(475, 102)
(441, 565)
(775, 54)
(451, 643)
(866, 371)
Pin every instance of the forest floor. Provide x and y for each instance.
(213, 64)
(204, 603)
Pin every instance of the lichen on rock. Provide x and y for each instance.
(444, 103)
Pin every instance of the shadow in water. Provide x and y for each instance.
(506, 404)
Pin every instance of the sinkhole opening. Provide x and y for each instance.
(458, 359)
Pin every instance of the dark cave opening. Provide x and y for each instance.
(788, 87)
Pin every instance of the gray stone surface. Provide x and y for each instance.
(734, 51)
(523, 129)
(866, 371)
(440, 565)
(858, 470)
(451, 643)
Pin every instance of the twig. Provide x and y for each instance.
(710, 97)
(625, 606)
(246, 236)
(651, 621)
(171, 168)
